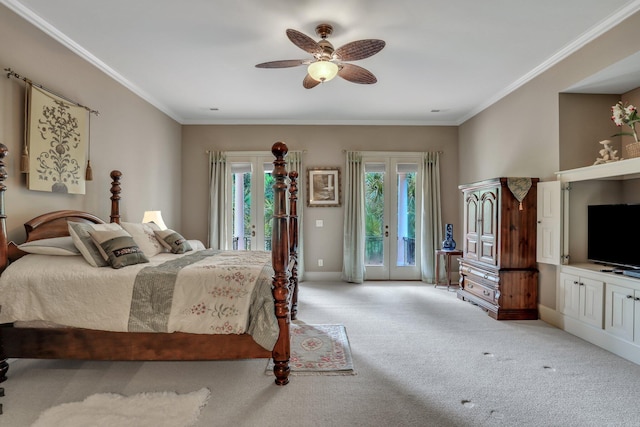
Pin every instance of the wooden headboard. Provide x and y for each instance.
(54, 224)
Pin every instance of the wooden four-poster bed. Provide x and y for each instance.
(63, 342)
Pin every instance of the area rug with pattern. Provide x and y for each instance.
(318, 350)
(156, 409)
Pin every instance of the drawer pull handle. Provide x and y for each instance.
(486, 293)
(470, 285)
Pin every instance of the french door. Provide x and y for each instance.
(250, 201)
(392, 217)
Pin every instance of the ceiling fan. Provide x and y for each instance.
(328, 62)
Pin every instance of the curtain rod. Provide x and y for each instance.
(290, 151)
(11, 73)
(392, 152)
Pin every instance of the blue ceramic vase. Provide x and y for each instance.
(448, 244)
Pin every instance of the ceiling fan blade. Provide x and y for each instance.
(359, 49)
(356, 74)
(309, 82)
(284, 63)
(304, 42)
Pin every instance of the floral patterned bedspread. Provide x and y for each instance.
(206, 292)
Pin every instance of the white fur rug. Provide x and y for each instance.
(159, 409)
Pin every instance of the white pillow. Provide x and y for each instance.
(143, 235)
(53, 246)
(197, 245)
(79, 232)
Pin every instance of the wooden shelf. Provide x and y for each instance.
(620, 170)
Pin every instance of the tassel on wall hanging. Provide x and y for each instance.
(88, 173)
(24, 159)
(57, 140)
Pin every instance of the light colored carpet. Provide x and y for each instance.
(424, 358)
(159, 409)
(318, 350)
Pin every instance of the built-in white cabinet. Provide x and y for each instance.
(592, 302)
(622, 312)
(581, 298)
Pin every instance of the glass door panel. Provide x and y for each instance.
(375, 214)
(241, 219)
(268, 205)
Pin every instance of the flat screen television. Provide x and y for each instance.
(614, 235)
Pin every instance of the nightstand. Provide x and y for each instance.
(441, 253)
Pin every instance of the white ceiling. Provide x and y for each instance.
(456, 56)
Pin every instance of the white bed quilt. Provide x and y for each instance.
(211, 292)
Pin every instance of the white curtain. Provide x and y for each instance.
(353, 269)
(294, 163)
(217, 227)
(431, 215)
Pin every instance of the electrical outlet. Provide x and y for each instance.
(320, 262)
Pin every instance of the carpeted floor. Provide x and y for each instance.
(423, 358)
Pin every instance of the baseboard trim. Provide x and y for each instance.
(550, 316)
(321, 276)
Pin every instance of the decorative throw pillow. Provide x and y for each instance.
(173, 241)
(118, 248)
(144, 237)
(79, 232)
(54, 246)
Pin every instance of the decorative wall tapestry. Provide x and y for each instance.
(57, 139)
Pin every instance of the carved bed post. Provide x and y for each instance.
(115, 196)
(4, 248)
(4, 256)
(280, 261)
(293, 242)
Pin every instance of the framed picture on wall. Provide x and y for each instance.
(323, 187)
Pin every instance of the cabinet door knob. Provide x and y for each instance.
(637, 298)
(629, 296)
(575, 282)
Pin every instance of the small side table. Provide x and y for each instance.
(447, 265)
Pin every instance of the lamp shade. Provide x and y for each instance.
(322, 71)
(155, 217)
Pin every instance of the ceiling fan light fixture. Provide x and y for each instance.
(323, 71)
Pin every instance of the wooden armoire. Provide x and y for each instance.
(498, 270)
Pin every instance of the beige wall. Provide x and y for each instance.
(524, 126)
(129, 135)
(585, 120)
(323, 146)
